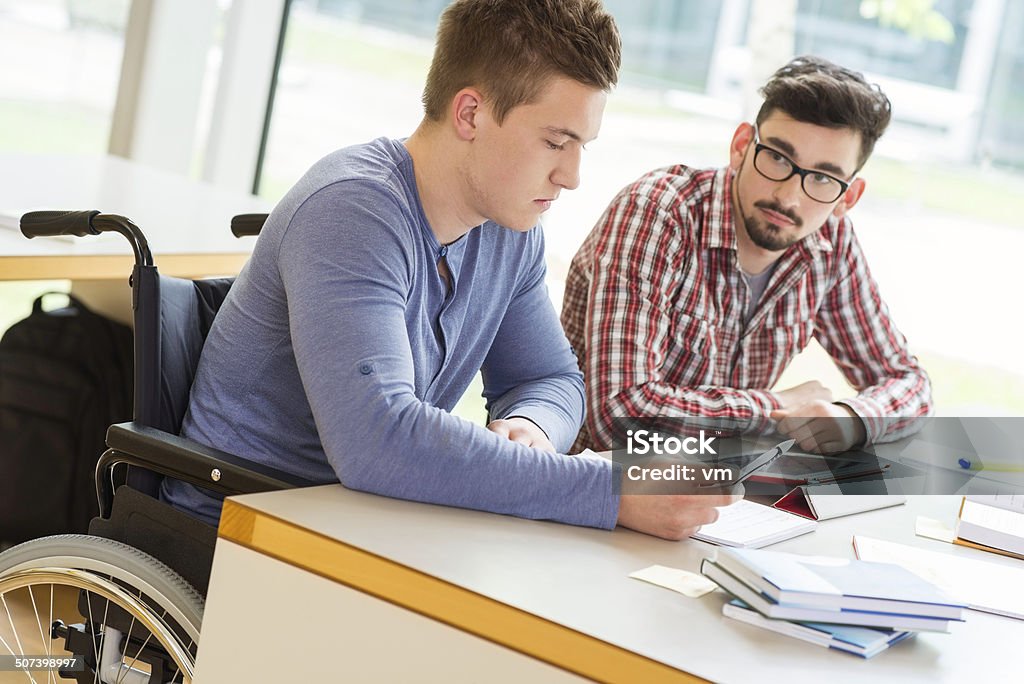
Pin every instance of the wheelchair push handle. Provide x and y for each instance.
(82, 223)
(54, 223)
(247, 224)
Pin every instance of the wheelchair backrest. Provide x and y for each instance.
(172, 319)
(187, 309)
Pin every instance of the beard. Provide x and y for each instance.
(767, 235)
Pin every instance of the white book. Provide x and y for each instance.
(746, 524)
(771, 609)
(865, 642)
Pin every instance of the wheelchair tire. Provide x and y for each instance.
(152, 592)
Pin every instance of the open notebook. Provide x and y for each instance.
(749, 525)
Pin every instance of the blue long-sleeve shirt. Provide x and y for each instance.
(340, 351)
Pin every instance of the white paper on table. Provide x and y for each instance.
(930, 528)
(983, 586)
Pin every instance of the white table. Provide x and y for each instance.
(331, 582)
(186, 222)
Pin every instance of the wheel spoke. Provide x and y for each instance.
(11, 650)
(92, 636)
(139, 652)
(124, 647)
(7, 646)
(31, 594)
(103, 637)
(49, 639)
(17, 639)
(14, 630)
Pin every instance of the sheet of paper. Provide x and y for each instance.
(686, 583)
(751, 525)
(931, 528)
(984, 586)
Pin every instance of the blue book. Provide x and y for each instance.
(861, 641)
(838, 583)
(771, 609)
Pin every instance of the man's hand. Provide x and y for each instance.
(804, 393)
(821, 427)
(671, 516)
(523, 431)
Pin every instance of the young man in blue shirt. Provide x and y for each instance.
(395, 270)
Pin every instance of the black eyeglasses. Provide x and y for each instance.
(776, 166)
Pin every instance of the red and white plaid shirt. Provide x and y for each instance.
(654, 307)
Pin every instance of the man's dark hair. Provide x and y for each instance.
(816, 91)
(509, 49)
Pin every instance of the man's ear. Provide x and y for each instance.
(850, 197)
(740, 142)
(465, 108)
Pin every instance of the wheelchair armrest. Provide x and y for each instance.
(183, 459)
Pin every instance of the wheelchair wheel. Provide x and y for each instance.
(126, 616)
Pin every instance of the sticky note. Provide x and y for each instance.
(686, 583)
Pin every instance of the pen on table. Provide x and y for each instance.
(997, 467)
(829, 480)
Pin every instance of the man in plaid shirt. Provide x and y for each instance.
(698, 287)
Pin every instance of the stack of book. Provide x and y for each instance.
(861, 641)
(808, 596)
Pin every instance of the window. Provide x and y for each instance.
(60, 96)
(344, 79)
(839, 31)
(353, 70)
(62, 61)
(1002, 131)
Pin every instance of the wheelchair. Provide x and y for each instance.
(126, 600)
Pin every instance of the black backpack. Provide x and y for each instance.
(65, 377)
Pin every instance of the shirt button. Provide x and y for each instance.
(365, 369)
(443, 252)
